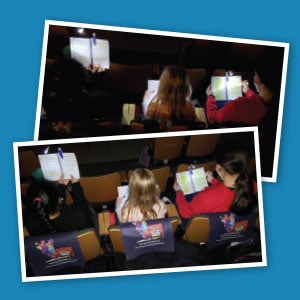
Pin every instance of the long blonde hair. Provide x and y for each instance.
(143, 194)
(174, 88)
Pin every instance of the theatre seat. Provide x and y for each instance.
(167, 148)
(161, 174)
(215, 229)
(201, 145)
(101, 190)
(116, 235)
(89, 244)
(105, 219)
(130, 81)
(81, 246)
(28, 163)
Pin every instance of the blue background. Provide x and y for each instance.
(22, 25)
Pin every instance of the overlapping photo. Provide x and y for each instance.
(139, 204)
(107, 81)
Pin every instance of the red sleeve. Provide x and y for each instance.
(189, 209)
(219, 115)
(182, 205)
(227, 113)
(249, 93)
(214, 181)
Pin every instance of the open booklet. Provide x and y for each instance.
(90, 52)
(56, 165)
(192, 181)
(226, 87)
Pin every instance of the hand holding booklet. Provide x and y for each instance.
(57, 165)
(123, 193)
(192, 181)
(94, 52)
(226, 87)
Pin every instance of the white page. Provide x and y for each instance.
(153, 85)
(123, 191)
(199, 179)
(50, 166)
(81, 50)
(234, 87)
(69, 165)
(218, 84)
(100, 53)
(128, 113)
(185, 182)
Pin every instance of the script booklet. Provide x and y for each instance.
(153, 85)
(55, 165)
(192, 181)
(123, 193)
(227, 87)
(90, 52)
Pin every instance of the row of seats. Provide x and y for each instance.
(131, 80)
(163, 148)
(200, 230)
(165, 156)
(102, 189)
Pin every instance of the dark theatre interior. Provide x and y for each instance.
(134, 59)
(103, 167)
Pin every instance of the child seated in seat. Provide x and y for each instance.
(172, 101)
(143, 201)
(236, 192)
(47, 211)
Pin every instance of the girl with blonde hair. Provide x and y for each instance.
(172, 100)
(143, 201)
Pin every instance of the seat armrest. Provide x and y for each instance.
(104, 222)
(172, 211)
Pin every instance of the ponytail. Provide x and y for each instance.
(244, 199)
(233, 156)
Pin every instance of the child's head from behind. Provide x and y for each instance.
(142, 186)
(43, 194)
(43, 197)
(143, 193)
(232, 156)
(174, 85)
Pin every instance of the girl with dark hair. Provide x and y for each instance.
(46, 207)
(236, 192)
